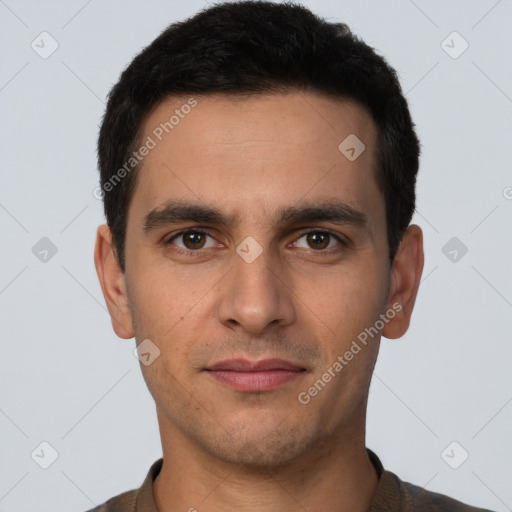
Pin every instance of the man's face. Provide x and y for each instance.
(215, 306)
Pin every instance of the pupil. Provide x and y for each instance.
(194, 239)
(317, 238)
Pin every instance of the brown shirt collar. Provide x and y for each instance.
(392, 495)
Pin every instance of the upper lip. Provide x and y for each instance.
(244, 365)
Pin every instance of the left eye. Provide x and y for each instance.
(192, 240)
(318, 240)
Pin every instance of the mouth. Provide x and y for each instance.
(255, 376)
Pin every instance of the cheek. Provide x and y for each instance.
(345, 301)
(170, 310)
(165, 298)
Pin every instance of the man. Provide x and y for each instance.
(258, 166)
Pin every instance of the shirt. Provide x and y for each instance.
(392, 495)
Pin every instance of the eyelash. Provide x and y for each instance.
(192, 253)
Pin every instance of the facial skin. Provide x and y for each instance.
(304, 299)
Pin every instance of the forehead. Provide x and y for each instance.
(248, 154)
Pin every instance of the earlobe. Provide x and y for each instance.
(405, 281)
(112, 283)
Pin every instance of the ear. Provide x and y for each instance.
(112, 283)
(404, 282)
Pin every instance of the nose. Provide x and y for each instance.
(256, 294)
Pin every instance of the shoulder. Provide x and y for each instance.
(415, 498)
(124, 502)
(131, 501)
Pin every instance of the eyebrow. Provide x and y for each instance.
(174, 212)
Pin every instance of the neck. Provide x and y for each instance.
(335, 477)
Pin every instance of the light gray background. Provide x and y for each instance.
(68, 380)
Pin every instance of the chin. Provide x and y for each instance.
(256, 447)
(261, 456)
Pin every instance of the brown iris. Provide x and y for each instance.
(318, 238)
(194, 240)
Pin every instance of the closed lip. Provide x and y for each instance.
(249, 376)
(246, 365)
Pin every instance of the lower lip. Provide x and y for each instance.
(255, 381)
